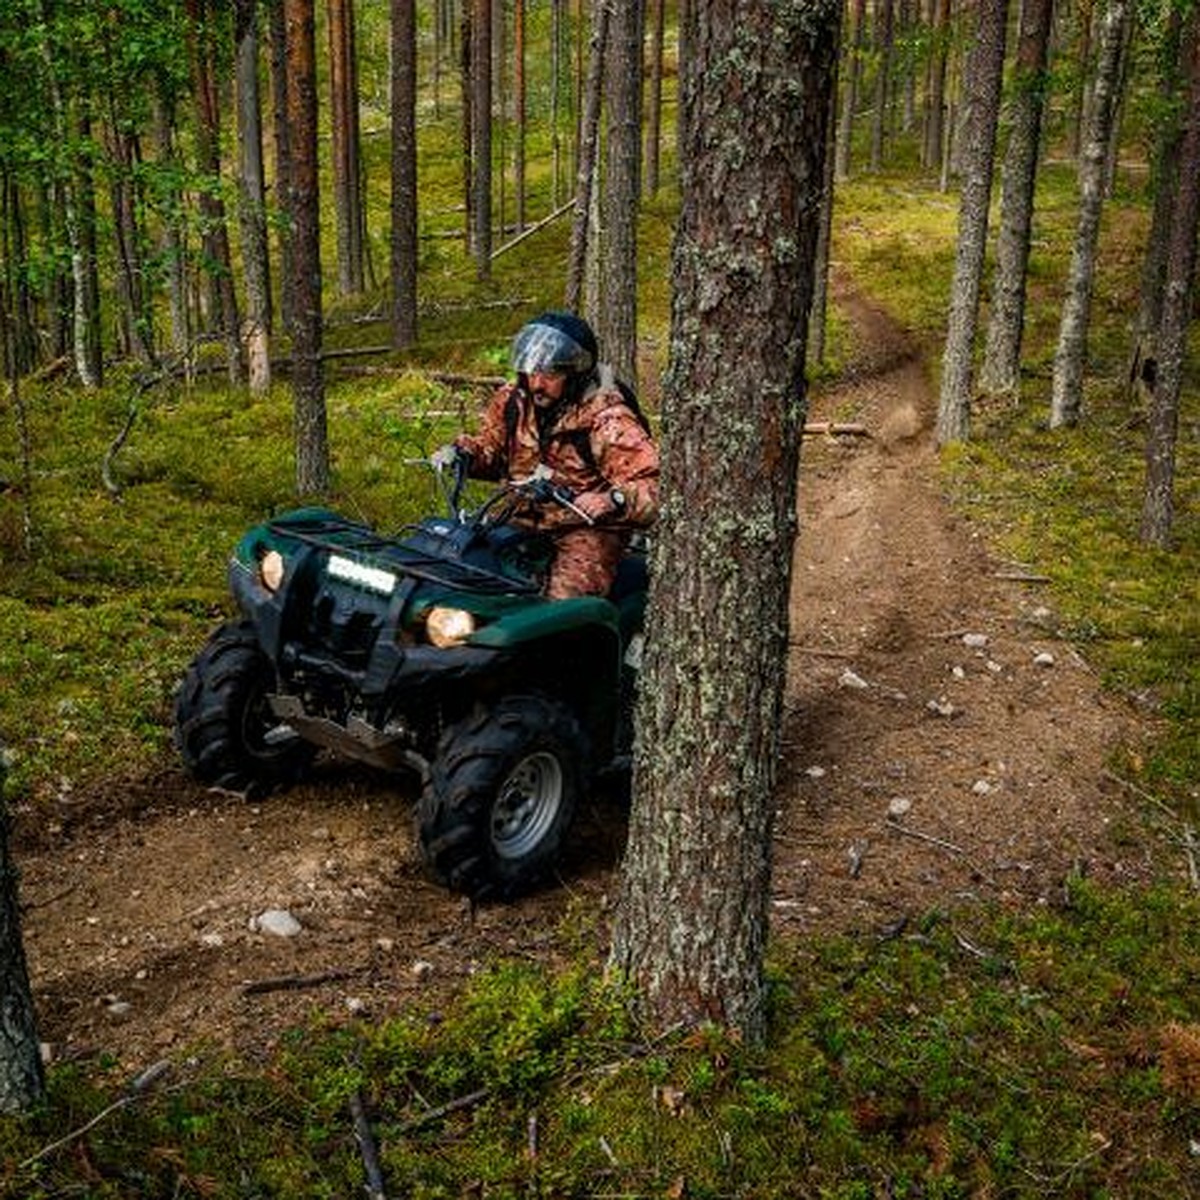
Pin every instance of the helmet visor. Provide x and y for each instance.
(544, 349)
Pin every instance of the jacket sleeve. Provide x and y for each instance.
(627, 457)
(489, 446)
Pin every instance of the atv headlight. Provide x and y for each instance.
(271, 570)
(448, 626)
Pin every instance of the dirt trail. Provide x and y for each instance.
(141, 901)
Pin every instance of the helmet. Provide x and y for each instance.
(555, 342)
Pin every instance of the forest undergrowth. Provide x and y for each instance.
(1054, 1052)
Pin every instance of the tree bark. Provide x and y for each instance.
(589, 137)
(308, 381)
(252, 218)
(173, 244)
(692, 920)
(519, 115)
(617, 325)
(1143, 354)
(1066, 396)
(404, 174)
(22, 1082)
(820, 300)
(935, 115)
(984, 72)
(852, 76)
(347, 198)
(1001, 370)
(281, 136)
(481, 134)
(884, 45)
(1158, 506)
(212, 207)
(654, 108)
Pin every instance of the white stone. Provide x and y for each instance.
(422, 969)
(976, 641)
(958, 673)
(277, 921)
(898, 806)
(982, 787)
(941, 707)
(848, 679)
(1044, 659)
(214, 941)
(815, 772)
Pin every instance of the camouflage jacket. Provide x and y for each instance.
(595, 444)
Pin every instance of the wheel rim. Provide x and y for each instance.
(527, 804)
(263, 734)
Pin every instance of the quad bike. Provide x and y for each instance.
(431, 651)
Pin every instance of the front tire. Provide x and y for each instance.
(224, 728)
(501, 795)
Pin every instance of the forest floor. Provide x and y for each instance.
(942, 748)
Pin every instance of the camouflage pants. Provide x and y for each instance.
(585, 563)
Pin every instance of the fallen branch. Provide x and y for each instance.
(138, 1088)
(558, 212)
(293, 983)
(923, 837)
(367, 1147)
(1021, 577)
(835, 429)
(444, 1110)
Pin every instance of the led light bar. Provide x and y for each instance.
(371, 578)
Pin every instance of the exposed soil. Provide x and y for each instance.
(920, 771)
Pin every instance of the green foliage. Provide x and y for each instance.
(1023, 1054)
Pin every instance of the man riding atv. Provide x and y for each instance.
(566, 414)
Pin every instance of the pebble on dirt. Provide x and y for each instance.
(1044, 659)
(278, 921)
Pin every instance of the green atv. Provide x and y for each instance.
(432, 651)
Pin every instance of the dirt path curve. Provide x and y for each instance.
(142, 897)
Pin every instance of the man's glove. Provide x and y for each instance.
(446, 456)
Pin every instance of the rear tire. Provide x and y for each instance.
(224, 728)
(501, 795)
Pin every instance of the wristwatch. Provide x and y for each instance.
(618, 500)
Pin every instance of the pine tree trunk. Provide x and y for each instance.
(1143, 353)
(404, 174)
(1001, 370)
(481, 134)
(212, 207)
(820, 300)
(1066, 394)
(308, 381)
(852, 76)
(935, 115)
(589, 138)
(692, 920)
(137, 322)
(622, 190)
(984, 72)
(344, 127)
(173, 244)
(252, 198)
(1158, 506)
(281, 137)
(89, 349)
(468, 131)
(519, 115)
(654, 108)
(22, 1083)
(884, 45)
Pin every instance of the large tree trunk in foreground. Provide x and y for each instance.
(985, 69)
(1159, 506)
(1066, 394)
(692, 923)
(21, 1079)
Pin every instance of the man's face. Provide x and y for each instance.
(546, 387)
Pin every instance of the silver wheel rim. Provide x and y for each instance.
(527, 805)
